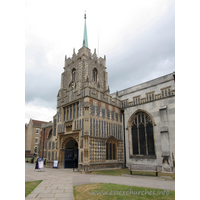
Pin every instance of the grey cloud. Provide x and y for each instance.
(145, 57)
(42, 81)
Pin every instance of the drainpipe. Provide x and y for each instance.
(43, 143)
(124, 164)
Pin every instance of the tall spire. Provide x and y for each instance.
(85, 40)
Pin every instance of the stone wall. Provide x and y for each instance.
(105, 121)
(162, 111)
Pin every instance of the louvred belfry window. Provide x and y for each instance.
(142, 135)
(95, 74)
(73, 75)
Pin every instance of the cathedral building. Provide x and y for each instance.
(94, 129)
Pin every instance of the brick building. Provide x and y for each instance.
(46, 131)
(32, 137)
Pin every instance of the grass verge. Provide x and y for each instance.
(119, 172)
(30, 186)
(107, 191)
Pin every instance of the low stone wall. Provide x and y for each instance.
(100, 166)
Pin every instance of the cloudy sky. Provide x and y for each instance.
(137, 37)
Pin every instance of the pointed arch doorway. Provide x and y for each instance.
(71, 154)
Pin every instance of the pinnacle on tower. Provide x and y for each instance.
(85, 40)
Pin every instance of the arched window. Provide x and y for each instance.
(95, 74)
(111, 149)
(142, 135)
(35, 149)
(73, 75)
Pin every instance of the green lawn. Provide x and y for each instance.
(119, 172)
(30, 186)
(107, 191)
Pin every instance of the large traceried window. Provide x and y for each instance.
(111, 149)
(71, 111)
(142, 135)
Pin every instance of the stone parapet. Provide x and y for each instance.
(87, 92)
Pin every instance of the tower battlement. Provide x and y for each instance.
(84, 53)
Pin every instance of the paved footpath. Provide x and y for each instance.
(58, 184)
(53, 189)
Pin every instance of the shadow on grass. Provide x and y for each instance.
(119, 172)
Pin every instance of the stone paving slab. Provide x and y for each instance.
(40, 191)
(32, 195)
(69, 194)
(57, 191)
(45, 195)
(52, 187)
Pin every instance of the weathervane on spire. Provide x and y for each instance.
(85, 40)
(85, 15)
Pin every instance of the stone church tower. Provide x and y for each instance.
(87, 129)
